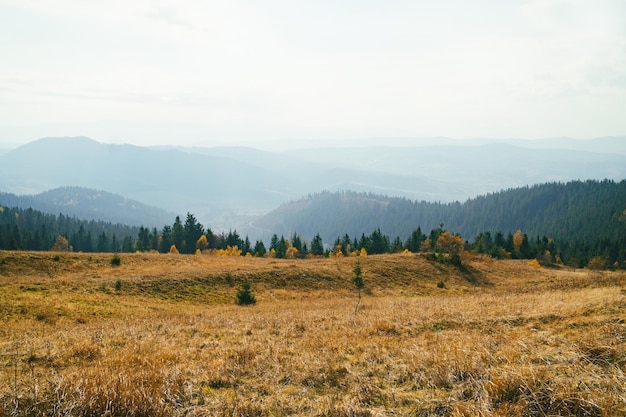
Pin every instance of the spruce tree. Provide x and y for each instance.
(244, 294)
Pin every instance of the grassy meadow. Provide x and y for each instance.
(161, 335)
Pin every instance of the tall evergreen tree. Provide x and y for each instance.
(414, 242)
(102, 244)
(192, 230)
(178, 234)
(281, 247)
(259, 248)
(166, 239)
(143, 240)
(317, 246)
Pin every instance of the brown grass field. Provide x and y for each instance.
(161, 335)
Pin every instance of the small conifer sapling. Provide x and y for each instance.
(244, 294)
(358, 282)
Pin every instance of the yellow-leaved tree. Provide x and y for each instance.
(229, 251)
(518, 239)
(449, 243)
(291, 253)
(452, 245)
(202, 243)
(61, 244)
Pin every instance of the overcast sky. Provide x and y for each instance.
(252, 72)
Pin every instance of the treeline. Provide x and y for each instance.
(190, 237)
(32, 230)
(439, 241)
(577, 211)
(28, 229)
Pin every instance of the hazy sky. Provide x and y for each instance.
(249, 72)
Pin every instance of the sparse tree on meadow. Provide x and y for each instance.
(245, 295)
(358, 282)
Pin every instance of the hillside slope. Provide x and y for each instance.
(575, 211)
(86, 203)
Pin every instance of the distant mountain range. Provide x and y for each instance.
(86, 203)
(227, 187)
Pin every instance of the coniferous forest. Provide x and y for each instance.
(578, 224)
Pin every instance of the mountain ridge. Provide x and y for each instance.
(227, 187)
(90, 204)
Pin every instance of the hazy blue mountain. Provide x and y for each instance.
(211, 187)
(86, 203)
(226, 187)
(470, 170)
(611, 145)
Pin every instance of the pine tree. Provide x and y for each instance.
(177, 233)
(259, 249)
(166, 239)
(192, 230)
(244, 294)
(358, 282)
(317, 246)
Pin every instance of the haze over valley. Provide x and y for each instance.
(228, 187)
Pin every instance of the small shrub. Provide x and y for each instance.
(118, 285)
(229, 280)
(441, 284)
(116, 260)
(455, 259)
(357, 280)
(431, 256)
(244, 294)
(597, 263)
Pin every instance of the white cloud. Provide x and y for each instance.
(420, 68)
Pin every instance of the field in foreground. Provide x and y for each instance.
(160, 335)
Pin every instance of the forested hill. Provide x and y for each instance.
(31, 229)
(87, 203)
(573, 211)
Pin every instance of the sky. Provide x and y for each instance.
(242, 72)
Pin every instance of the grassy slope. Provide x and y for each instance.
(502, 338)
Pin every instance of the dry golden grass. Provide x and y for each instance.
(160, 335)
